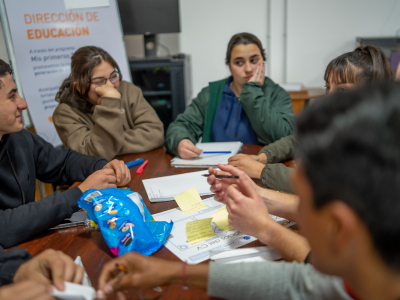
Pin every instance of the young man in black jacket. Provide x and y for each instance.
(24, 157)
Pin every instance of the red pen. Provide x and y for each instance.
(140, 169)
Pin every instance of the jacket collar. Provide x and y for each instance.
(4, 144)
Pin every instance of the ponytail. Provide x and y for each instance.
(364, 64)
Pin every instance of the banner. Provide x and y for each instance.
(45, 35)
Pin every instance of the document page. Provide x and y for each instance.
(178, 243)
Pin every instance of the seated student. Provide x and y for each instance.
(24, 157)
(364, 65)
(31, 278)
(348, 183)
(246, 107)
(101, 115)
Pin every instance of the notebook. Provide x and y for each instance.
(165, 188)
(209, 160)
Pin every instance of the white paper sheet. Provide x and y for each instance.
(209, 160)
(224, 240)
(255, 254)
(165, 188)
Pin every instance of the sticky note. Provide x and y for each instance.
(199, 230)
(189, 201)
(221, 219)
(219, 209)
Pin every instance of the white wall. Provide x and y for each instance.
(318, 31)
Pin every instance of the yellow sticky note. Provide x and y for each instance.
(221, 219)
(189, 201)
(219, 209)
(198, 231)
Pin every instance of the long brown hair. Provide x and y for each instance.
(243, 38)
(364, 64)
(75, 88)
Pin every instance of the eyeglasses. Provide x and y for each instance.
(114, 78)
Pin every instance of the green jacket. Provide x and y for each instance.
(268, 107)
(276, 175)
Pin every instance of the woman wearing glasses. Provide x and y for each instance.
(101, 115)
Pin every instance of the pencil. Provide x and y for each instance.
(220, 176)
(121, 268)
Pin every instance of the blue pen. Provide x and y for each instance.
(134, 162)
(217, 152)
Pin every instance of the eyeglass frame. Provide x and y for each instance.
(104, 81)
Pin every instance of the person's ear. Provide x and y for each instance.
(343, 226)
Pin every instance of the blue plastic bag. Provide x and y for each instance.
(124, 221)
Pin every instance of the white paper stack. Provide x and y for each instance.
(165, 188)
(209, 160)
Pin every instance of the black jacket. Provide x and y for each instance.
(23, 158)
(9, 263)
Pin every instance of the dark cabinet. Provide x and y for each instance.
(165, 83)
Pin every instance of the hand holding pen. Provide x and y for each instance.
(135, 270)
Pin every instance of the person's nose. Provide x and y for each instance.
(21, 104)
(248, 68)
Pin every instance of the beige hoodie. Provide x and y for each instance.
(115, 127)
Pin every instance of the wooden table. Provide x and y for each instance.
(90, 245)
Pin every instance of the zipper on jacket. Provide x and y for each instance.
(16, 177)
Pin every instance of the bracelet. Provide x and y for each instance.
(184, 286)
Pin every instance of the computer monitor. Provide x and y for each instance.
(149, 16)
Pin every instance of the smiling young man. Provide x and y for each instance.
(24, 157)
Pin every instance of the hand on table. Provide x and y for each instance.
(50, 266)
(259, 74)
(27, 290)
(187, 150)
(142, 272)
(247, 164)
(122, 172)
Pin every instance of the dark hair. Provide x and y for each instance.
(243, 38)
(4, 68)
(74, 90)
(349, 145)
(364, 64)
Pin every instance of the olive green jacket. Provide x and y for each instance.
(268, 107)
(276, 175)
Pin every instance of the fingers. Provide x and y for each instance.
(26, 290)
(62, 268)
(120, 283)
(106, 273)
(187, 150)
(246, 186)
(194, 149)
